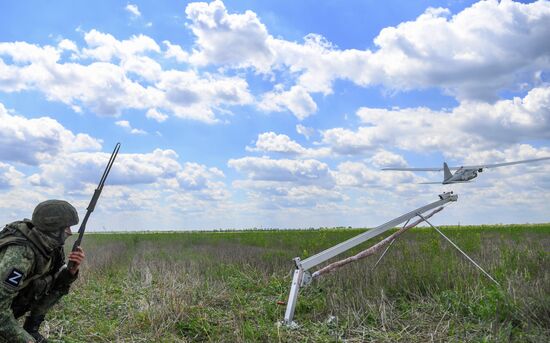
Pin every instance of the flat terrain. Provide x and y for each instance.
(224, 287)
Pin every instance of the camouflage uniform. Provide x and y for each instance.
(32, 273)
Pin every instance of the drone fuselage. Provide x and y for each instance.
(462, 175)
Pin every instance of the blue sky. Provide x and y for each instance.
(242, 114)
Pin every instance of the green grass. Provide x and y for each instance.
(224, 287)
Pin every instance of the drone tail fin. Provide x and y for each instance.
(446, 172)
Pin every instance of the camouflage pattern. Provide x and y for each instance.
(54, 215)
(31, 277)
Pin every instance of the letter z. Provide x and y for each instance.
(14, 278)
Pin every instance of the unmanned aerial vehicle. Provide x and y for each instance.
(464, 173)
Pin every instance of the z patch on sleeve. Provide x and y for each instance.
(14, 278)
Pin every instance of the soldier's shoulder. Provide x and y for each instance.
(16, 265)
(20, 251)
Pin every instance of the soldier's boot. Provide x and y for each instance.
(32, 324)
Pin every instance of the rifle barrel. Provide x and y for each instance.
(94, 199)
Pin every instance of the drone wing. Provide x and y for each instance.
(414, 169)
(506, 163)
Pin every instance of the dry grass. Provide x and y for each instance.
(224, 287)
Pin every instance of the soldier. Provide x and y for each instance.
(33, 273)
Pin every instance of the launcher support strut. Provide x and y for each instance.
(460, 250)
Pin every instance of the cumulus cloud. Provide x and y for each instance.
(187, 95)
(123, 74)
(270, 141)
(78, 169)
(133, 10)
(223, 38)
(357, 174)
(126, 125)
(487, 56)
(491, 46)
(153, 113)
(104, 47)
(204, 181)
(9, 176)
(471, 126)
(101, 86)
(66, 44)
(159, 169)
(384, 158)
(34, 141)
(286, 183)
(305, 131)
(123, 123)
(296, 100)
(284, 170)
(280, 143)
(176, 52)
(270, 195)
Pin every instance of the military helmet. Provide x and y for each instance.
(54, 215)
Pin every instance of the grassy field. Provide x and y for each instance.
(224, 287)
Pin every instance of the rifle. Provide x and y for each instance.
(93, 202)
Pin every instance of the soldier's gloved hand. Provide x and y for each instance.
(32, 324)
(77, 257)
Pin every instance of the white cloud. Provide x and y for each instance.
(301, 172)
(222, 38)
(121, 76)
(9, 176)
(384, 158)
(77, 169)
(513, 153)
(66, 165)
(188, 95)
(67, 44)
(153, 113)
(357, 174)
(23, 52)
(491, 46)
(195, 176)
(105, 47)
(416, 54)
(103, 87)
(34, 141)
(272, 142)
(123, 123)
(203, 181)
(272, 195)
(296, 100)
(133, 10)
(159, 169)
(142, 186)
(280, 143)
(305, 131)
(472, 126)
(176, 52)
(126, 125)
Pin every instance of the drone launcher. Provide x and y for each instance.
(302, 275)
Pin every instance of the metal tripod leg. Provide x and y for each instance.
(388, 248)
(460, 250)
(293, 296)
